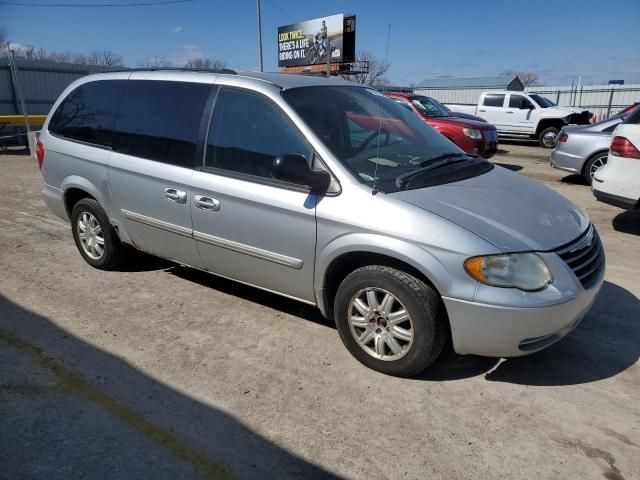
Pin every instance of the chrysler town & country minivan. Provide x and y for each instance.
(326, 192)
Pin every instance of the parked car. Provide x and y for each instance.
(583, 149)
(473, 137)
(618, 183)
(326, 193)
(524, 115)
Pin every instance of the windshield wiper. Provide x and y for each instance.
(431, 164)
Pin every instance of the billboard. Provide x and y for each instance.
(308, 42)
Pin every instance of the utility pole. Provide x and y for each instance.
(259, 35)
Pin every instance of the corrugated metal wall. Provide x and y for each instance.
(599, 99)
(41, 82)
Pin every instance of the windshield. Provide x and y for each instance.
(370, 134)
(429, 107)
(543, 102)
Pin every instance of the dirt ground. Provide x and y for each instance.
(161, 371)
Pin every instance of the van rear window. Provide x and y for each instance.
(88, 112)
(160, 120)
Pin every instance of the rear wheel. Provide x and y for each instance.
(595, 163)
(95, 237)
(389, 320)
(548, 137)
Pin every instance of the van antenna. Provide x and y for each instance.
(374, 188)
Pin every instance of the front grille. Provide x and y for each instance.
(585, 256)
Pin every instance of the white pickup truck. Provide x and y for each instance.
(524, 115)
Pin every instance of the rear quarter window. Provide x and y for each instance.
(87, 113)
(160, 120)
(493, 100)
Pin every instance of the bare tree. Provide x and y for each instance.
(377, 71)
(155, 62)
(205, 64)
(3, 37)
(101, 58)
(528, 79)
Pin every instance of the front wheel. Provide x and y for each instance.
(389, 320)
(548, 137)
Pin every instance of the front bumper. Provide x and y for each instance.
(488, 146)
(503, 331)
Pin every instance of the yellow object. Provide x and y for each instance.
(18, 120)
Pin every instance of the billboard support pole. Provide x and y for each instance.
(328, 57)
(259, 34)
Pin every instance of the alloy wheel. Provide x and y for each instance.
(90, 235)
(380, 324)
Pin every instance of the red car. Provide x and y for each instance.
(472, 136)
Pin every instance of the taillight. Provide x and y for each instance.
(40, 153)
(622, 147)
(563, 137)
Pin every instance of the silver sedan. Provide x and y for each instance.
(583, 149)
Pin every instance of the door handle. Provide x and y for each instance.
(481, 110)
(175, 195)
(206, 203)
(508, 111)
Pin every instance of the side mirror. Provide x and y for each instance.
(524, 105)
(293, 168)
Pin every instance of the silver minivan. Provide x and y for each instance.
(326, 192)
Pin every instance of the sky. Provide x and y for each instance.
(557, 40)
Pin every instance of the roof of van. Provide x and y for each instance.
(282, 80)
(289, 80)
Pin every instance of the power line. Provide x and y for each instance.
(84, 5)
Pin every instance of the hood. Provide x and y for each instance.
(505, 208)
(561, 111)
(463, 122)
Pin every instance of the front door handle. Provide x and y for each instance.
(482, 110)
(206, 203)
(175, 195)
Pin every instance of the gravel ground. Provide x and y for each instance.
(161, 371)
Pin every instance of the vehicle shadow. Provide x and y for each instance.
(627, 222)
(508, 166)
(606, 343)
(574, 179)
(139, 261)
(72, 410)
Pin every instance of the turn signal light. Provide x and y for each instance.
(622, 147)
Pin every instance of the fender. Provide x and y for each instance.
(409, 253)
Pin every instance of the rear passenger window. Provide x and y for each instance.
(87, 113)
(160, 120)
(493, 100)
(248, 132)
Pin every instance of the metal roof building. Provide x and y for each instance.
(465, 90)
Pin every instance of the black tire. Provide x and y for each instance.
(541, 138)
(421, 301)
(597, 157)
(113, 253)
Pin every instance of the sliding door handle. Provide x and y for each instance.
(206, 203)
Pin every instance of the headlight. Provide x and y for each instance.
(472, 133)
(525, 271)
